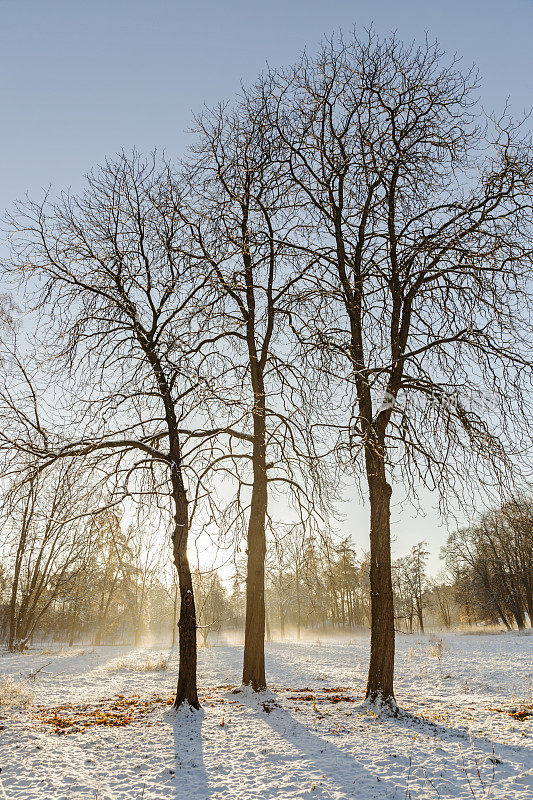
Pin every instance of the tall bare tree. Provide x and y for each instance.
(115, 302)
(422, 215)
(241, 218)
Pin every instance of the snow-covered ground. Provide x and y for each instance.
(297, 741)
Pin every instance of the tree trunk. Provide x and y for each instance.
(485, 580)
(298, 606)
(518, 614)
(529, 604)
(254, 632)
(74, 617)
(174, 616)
(186, 691)
(381, 670)
(419, 613)
(13, 611)
(13, 616)
(104, 610)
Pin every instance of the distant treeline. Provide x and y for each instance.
(93, 581)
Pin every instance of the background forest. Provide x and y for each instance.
(100, 584)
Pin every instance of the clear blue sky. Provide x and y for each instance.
(82, 80)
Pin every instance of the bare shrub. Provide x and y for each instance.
(436, 648)
(14, 694)
(156, 664)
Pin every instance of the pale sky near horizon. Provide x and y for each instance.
(80, 81)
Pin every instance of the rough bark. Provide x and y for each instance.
(186, 691)
(254, 633)
(174, 616)
(381, 669)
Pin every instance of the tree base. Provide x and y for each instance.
(250, 687)
(381, 705)
(183, 702)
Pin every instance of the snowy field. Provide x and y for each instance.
(309, 737)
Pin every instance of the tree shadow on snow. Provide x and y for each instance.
(341, 769)
(307, 672)
(458, 733)
(230, 659)
(189, 781)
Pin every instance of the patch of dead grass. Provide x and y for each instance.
(156, 664)
(14, 695)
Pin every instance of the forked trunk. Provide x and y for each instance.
(187, 689)
(380, 687)
(254, 633)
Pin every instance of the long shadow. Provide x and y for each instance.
(233, 657)
(460, 733)
(229, 666)
(345, 772)
(80, 665)
(189, 781)
(280, 665)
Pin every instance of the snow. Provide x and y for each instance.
(293, 741)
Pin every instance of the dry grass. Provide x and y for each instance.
(435, 648)
(486, 630)
(64, 652)
(416, 652)
(14, 694)
(155, 664)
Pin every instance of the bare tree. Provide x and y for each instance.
(211, 601)
(108, 564)
(410, 585)
(241, 217)
(491, 562)
(116, 297)
(44, 527)
(422, 213)
(141, 570)
(518, 518)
